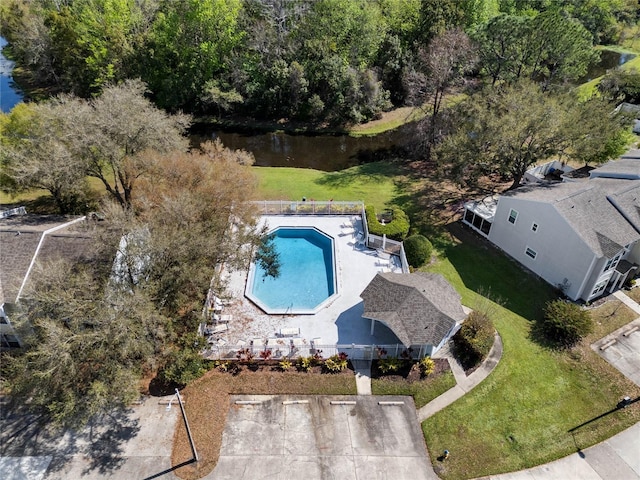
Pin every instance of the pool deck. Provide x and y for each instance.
(340, 321)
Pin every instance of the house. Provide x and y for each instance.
(582, 236)
(26, 239)
(422, 309)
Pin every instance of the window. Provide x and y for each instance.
(613, 262)
(531, 253)
(513, 215)
(534, 227)
(599, 287)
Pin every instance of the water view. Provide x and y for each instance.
(9, 93)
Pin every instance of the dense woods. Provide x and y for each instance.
(332, 61)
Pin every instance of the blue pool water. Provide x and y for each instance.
(306, 276)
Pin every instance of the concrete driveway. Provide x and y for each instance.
(622, 350)
(130, 445)
(308, 437)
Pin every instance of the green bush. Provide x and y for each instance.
(418, 250)
(183, 367)
(387, 365)
(396, 229)
(474, 340)
(565, 323)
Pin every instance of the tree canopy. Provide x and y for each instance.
(339, 61)
(506, 130)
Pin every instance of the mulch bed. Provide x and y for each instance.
(410, 371)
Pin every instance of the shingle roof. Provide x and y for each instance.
(20, 236)
(629, 167)
(420, 308)
(593, 209)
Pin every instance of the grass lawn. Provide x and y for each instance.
(520, 416)
(634, 293)
(422, 391)
(376, 183)
(207, 403)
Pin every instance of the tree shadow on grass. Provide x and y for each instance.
(490, 273)
(374, 172)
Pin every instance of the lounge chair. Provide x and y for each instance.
(289, 332)
(382, 254)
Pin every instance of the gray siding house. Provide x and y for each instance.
(581, 236)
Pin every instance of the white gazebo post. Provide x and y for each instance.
(384, 241)
(373, 324)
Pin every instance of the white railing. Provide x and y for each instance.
(308, 207)
(294, 352)
(13, 211)
(390, 246)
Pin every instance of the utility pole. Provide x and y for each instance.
(186, 424)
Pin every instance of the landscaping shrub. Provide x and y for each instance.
(427, 366)
(474, 340)
(396, 229)
(336, 363)
(565, 323)
(285, 365)
(418, 250)
(183, 367)
(387, 365)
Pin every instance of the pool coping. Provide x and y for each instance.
(248, 293)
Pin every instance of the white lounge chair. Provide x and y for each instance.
(289, 332)
(382, 254)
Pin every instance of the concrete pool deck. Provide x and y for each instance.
(340, 321)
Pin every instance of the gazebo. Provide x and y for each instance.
(422, 309)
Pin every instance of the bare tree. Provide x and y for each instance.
(440, 66)
(118, 129)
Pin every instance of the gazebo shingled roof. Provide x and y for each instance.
(420, 308)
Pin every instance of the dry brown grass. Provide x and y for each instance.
(207, 404)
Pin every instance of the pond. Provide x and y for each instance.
(9, 92)
(321, 152)
(608, 60)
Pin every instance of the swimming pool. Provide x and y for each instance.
(307, 273)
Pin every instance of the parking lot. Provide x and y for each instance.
(346, 437)
(622, 350)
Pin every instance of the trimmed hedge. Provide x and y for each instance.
(397, 229)
(418, 250)
(474, 340)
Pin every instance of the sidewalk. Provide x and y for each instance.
(463, 383)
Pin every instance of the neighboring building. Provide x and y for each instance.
(582, 236)
(24, 240)
(422, 309)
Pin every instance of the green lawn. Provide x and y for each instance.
(422, 391)
(376, 183)
(520, 415)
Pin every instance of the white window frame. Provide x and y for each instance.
(515, 217)
(599, 287)
(613, 262)
(534, 227)
(531, 253)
